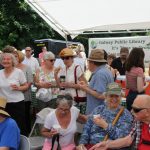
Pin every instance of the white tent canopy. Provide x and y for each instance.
(73, 17)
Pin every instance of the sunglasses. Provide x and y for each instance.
(28, 50)
(66, 58)
(137, 110)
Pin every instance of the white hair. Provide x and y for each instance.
(14, 61)
(48, 55)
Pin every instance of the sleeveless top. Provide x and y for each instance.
(49, 78)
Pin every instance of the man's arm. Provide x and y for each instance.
(90, 91)
(119, 143)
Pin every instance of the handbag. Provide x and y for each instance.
(78, 98)
(55, 138)
(44, 95)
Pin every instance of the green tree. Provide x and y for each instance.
(20, 25)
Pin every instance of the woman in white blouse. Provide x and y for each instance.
(70, 70)
(12, 85)
(63, 121)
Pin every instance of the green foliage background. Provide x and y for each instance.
(20, 25)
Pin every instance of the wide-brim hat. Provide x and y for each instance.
(113, 88)
(66, 52)
(97, 55)
(2, 106)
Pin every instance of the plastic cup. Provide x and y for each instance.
(34, 89)
(95, 116)
(57, 127)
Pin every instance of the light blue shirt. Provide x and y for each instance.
(99, 81)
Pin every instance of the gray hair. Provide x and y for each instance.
(67, 99)
(48, 55)
(81, 48)
(14, 61)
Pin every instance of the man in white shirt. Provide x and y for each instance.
(30, 60)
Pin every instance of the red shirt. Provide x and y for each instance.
(144, 136)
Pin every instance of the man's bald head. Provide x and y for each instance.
(142, 101)
(142, 104)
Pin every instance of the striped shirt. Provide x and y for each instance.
(136, 132)
(131, 77)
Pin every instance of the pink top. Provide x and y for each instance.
(41, 58)
(131, 77)
(41, 55)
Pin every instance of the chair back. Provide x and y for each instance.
(37, 141)
(24, 143)
(41, 116)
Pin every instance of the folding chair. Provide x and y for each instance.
(36, 142)
(24, 143)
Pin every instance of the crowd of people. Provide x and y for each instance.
(61, 84)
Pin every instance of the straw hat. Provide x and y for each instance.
(2, 106)
(66, 52)
(97, 55)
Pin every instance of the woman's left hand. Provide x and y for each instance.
(14, 87)
(100, 122)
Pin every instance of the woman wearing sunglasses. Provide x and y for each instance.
(72, 73)
(44, 78)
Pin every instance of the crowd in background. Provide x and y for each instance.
(61, 84)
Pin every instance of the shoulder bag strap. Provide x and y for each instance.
(75, 78)
(58, 146)
(53, 141)
(56, 138)
(115, 121)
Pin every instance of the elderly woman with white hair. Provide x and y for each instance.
(44, 79)
(12, 85)
(107, 122)
(61, 123)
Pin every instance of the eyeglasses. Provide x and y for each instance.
(62, 109)
(113, 96)
(137, 110)
(51, 60)
(68, 57)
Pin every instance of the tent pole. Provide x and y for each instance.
(66, 39)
